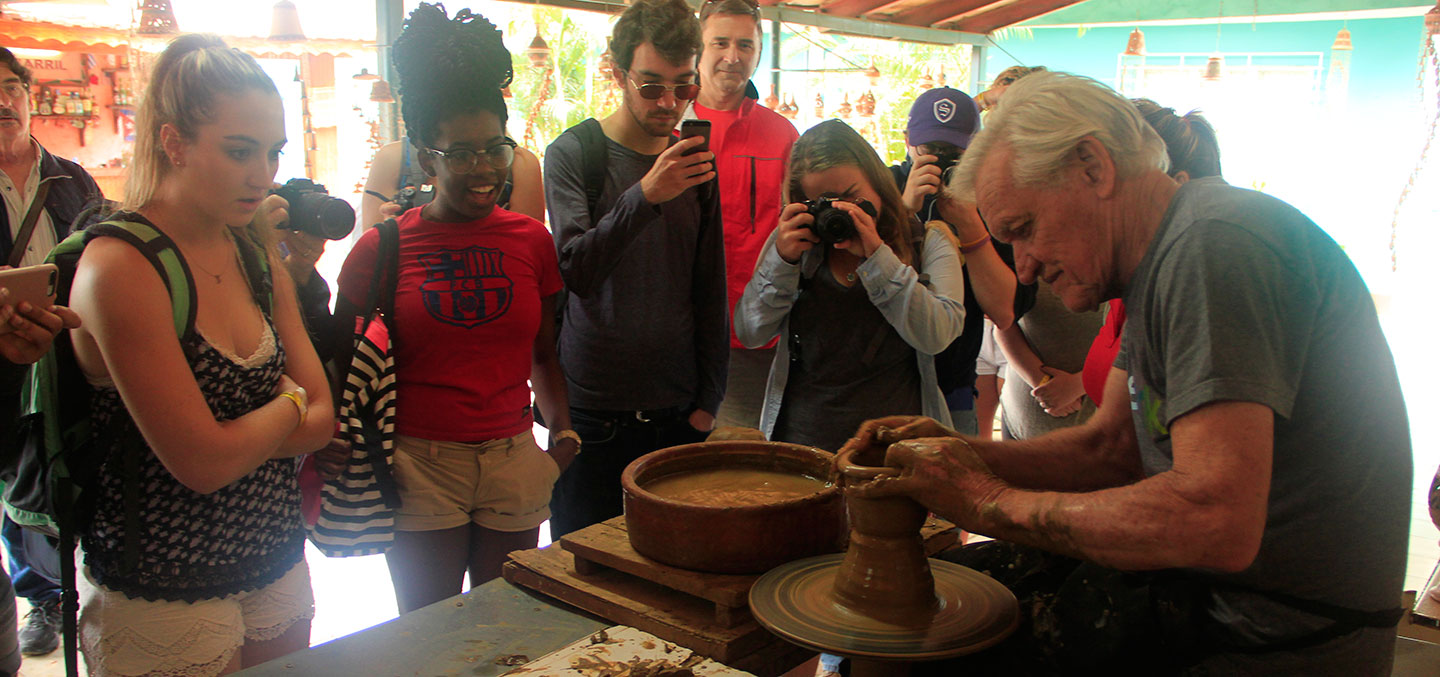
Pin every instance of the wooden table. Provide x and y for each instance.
(463, 635)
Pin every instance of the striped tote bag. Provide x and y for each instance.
(357, 507)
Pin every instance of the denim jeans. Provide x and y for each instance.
(34, 563)
(588, 492)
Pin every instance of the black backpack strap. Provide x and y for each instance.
(257, 273)
(389, 256)
(69, 590)
(594, 151)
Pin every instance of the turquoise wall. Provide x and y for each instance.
(1343, 166)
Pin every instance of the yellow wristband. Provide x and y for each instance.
(1044, 380)
(297, 396)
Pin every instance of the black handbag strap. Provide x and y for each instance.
(27, 226)
(381, 295)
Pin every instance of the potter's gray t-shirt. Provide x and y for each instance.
(1241, 297)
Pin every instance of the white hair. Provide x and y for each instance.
(1044, 115)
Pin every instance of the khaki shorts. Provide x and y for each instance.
(502, 484)
(121, 635)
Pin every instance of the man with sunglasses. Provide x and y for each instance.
(643, 337)
(30, 175)
(752, 146)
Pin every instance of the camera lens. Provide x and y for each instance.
(321, 215)
(834, 225)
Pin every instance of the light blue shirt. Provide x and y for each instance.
(927, 316)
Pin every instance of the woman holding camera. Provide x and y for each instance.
(194, 559)
(838, 283)
(473, 322)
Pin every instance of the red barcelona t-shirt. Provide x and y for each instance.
(467, 309)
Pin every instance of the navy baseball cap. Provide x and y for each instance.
(943, 114)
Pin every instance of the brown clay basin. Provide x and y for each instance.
(781, 508)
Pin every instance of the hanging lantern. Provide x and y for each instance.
(157, 18)
(539, 53)
(773, 100)
(941, 78)
(866, 105)
(845, 109)
(365, 74)
(380, 92)
(1136, 45)
(873, 74)
(819, 106)
(1215, 68)
(1342, 40)
(285, 23)
(927, 81)
(1337, 82)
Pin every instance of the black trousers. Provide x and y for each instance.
(589, 491)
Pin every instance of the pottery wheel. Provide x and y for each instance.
(794, 602)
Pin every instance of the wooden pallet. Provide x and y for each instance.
(607, 545)
(595, 569)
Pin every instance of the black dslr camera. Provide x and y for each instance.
(833, 224)
(313, 211)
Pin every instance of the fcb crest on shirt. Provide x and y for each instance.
(466, 287)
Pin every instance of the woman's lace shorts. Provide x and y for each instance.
(120, 635)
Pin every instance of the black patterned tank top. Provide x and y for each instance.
(195, 546)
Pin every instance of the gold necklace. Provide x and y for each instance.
(203, 269)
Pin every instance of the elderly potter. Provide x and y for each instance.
(1248, 511)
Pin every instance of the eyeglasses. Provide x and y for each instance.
(14, 90)
(654, 90)
(464, 160)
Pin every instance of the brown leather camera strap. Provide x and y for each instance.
(27, 226)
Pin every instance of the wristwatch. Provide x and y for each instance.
(569, 435)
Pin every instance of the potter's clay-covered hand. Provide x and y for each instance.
(942, 473)
(891, 429)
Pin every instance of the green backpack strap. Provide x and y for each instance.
(164, 256)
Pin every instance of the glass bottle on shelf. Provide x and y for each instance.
(88, 104)
(45, 106)
(73, 105)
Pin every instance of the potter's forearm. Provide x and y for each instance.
(1139, 527)
(1079, 458)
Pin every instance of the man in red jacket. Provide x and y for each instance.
(752, 148)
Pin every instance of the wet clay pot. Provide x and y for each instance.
(747, 539)
(885, 574)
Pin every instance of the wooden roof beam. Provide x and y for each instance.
(937, 13)
(852, 8)
(1001, 17)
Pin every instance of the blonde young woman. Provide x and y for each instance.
(201, 571)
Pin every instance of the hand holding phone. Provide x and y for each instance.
(699, 128)
(32, 284)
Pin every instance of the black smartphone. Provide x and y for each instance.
(700, 128)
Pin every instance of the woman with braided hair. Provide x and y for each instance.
(473, 321)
